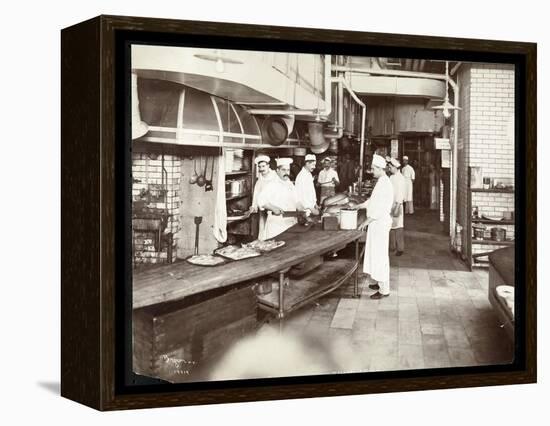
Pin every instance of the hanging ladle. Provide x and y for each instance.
(208, 186)
(194, 176)
(201, 180)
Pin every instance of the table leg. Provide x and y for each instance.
(281, 313)
(356, 287)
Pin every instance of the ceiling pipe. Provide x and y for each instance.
(456, 92)
(363, 124)
(397, 73)
(455, 68)
(454, 174)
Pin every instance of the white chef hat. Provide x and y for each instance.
(260, 158)
(284, 162)
(378, 161)
(310, 157)
(395, 162)
(405, 157)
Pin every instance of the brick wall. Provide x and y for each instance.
(147, 190)
(486, 138)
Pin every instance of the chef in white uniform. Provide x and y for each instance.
(328, 180)
(397, 239)
(408, 173)
(279, 196)
(305, 190)
(265, 175)
(378, 222)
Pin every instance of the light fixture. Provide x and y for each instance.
(446, 106)
(220, 67)
(219, 59)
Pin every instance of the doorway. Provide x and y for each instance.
(428, 191)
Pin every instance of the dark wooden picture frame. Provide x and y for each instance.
(93, 175)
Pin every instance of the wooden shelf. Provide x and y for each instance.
(492, 242)
(493, 222)
(237, 172)
(322, 280)
(495, 190)
(236, 197)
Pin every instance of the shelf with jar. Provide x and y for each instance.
(239, 185)
(490, 225)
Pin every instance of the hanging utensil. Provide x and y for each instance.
(201, 180)
(194, 176)
(208, 186)
(198, 221)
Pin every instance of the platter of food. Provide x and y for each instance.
(234, 252)
(264, 246)
(205, 260)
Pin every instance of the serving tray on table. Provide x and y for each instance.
(222, 251)
(253, 246)
(221, 261)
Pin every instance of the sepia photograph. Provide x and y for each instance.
(298, 214)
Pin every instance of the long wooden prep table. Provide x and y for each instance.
(185, 316)
(174, 282)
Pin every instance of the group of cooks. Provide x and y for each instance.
(280, 198)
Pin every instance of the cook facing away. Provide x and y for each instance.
(378, 222)
(277, 197)
(305, 188)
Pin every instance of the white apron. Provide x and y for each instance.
(399, 187)
(281, 194)
(377, 261)
(261, 183)
(305, 190)
(409, 175)
(275, 225)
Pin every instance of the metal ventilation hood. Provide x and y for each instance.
(181, 115)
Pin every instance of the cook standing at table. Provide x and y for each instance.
(378, 222)
(278, 196)
(328, 179)
(305, 189)
(265, 175)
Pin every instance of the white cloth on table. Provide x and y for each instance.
(399, 187)
(305, 190)
(506, 293)
(377, 261)
(281, 194)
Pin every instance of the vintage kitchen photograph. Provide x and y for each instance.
(303, 214)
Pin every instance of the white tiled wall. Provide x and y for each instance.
(146, 171)
(486, 131)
